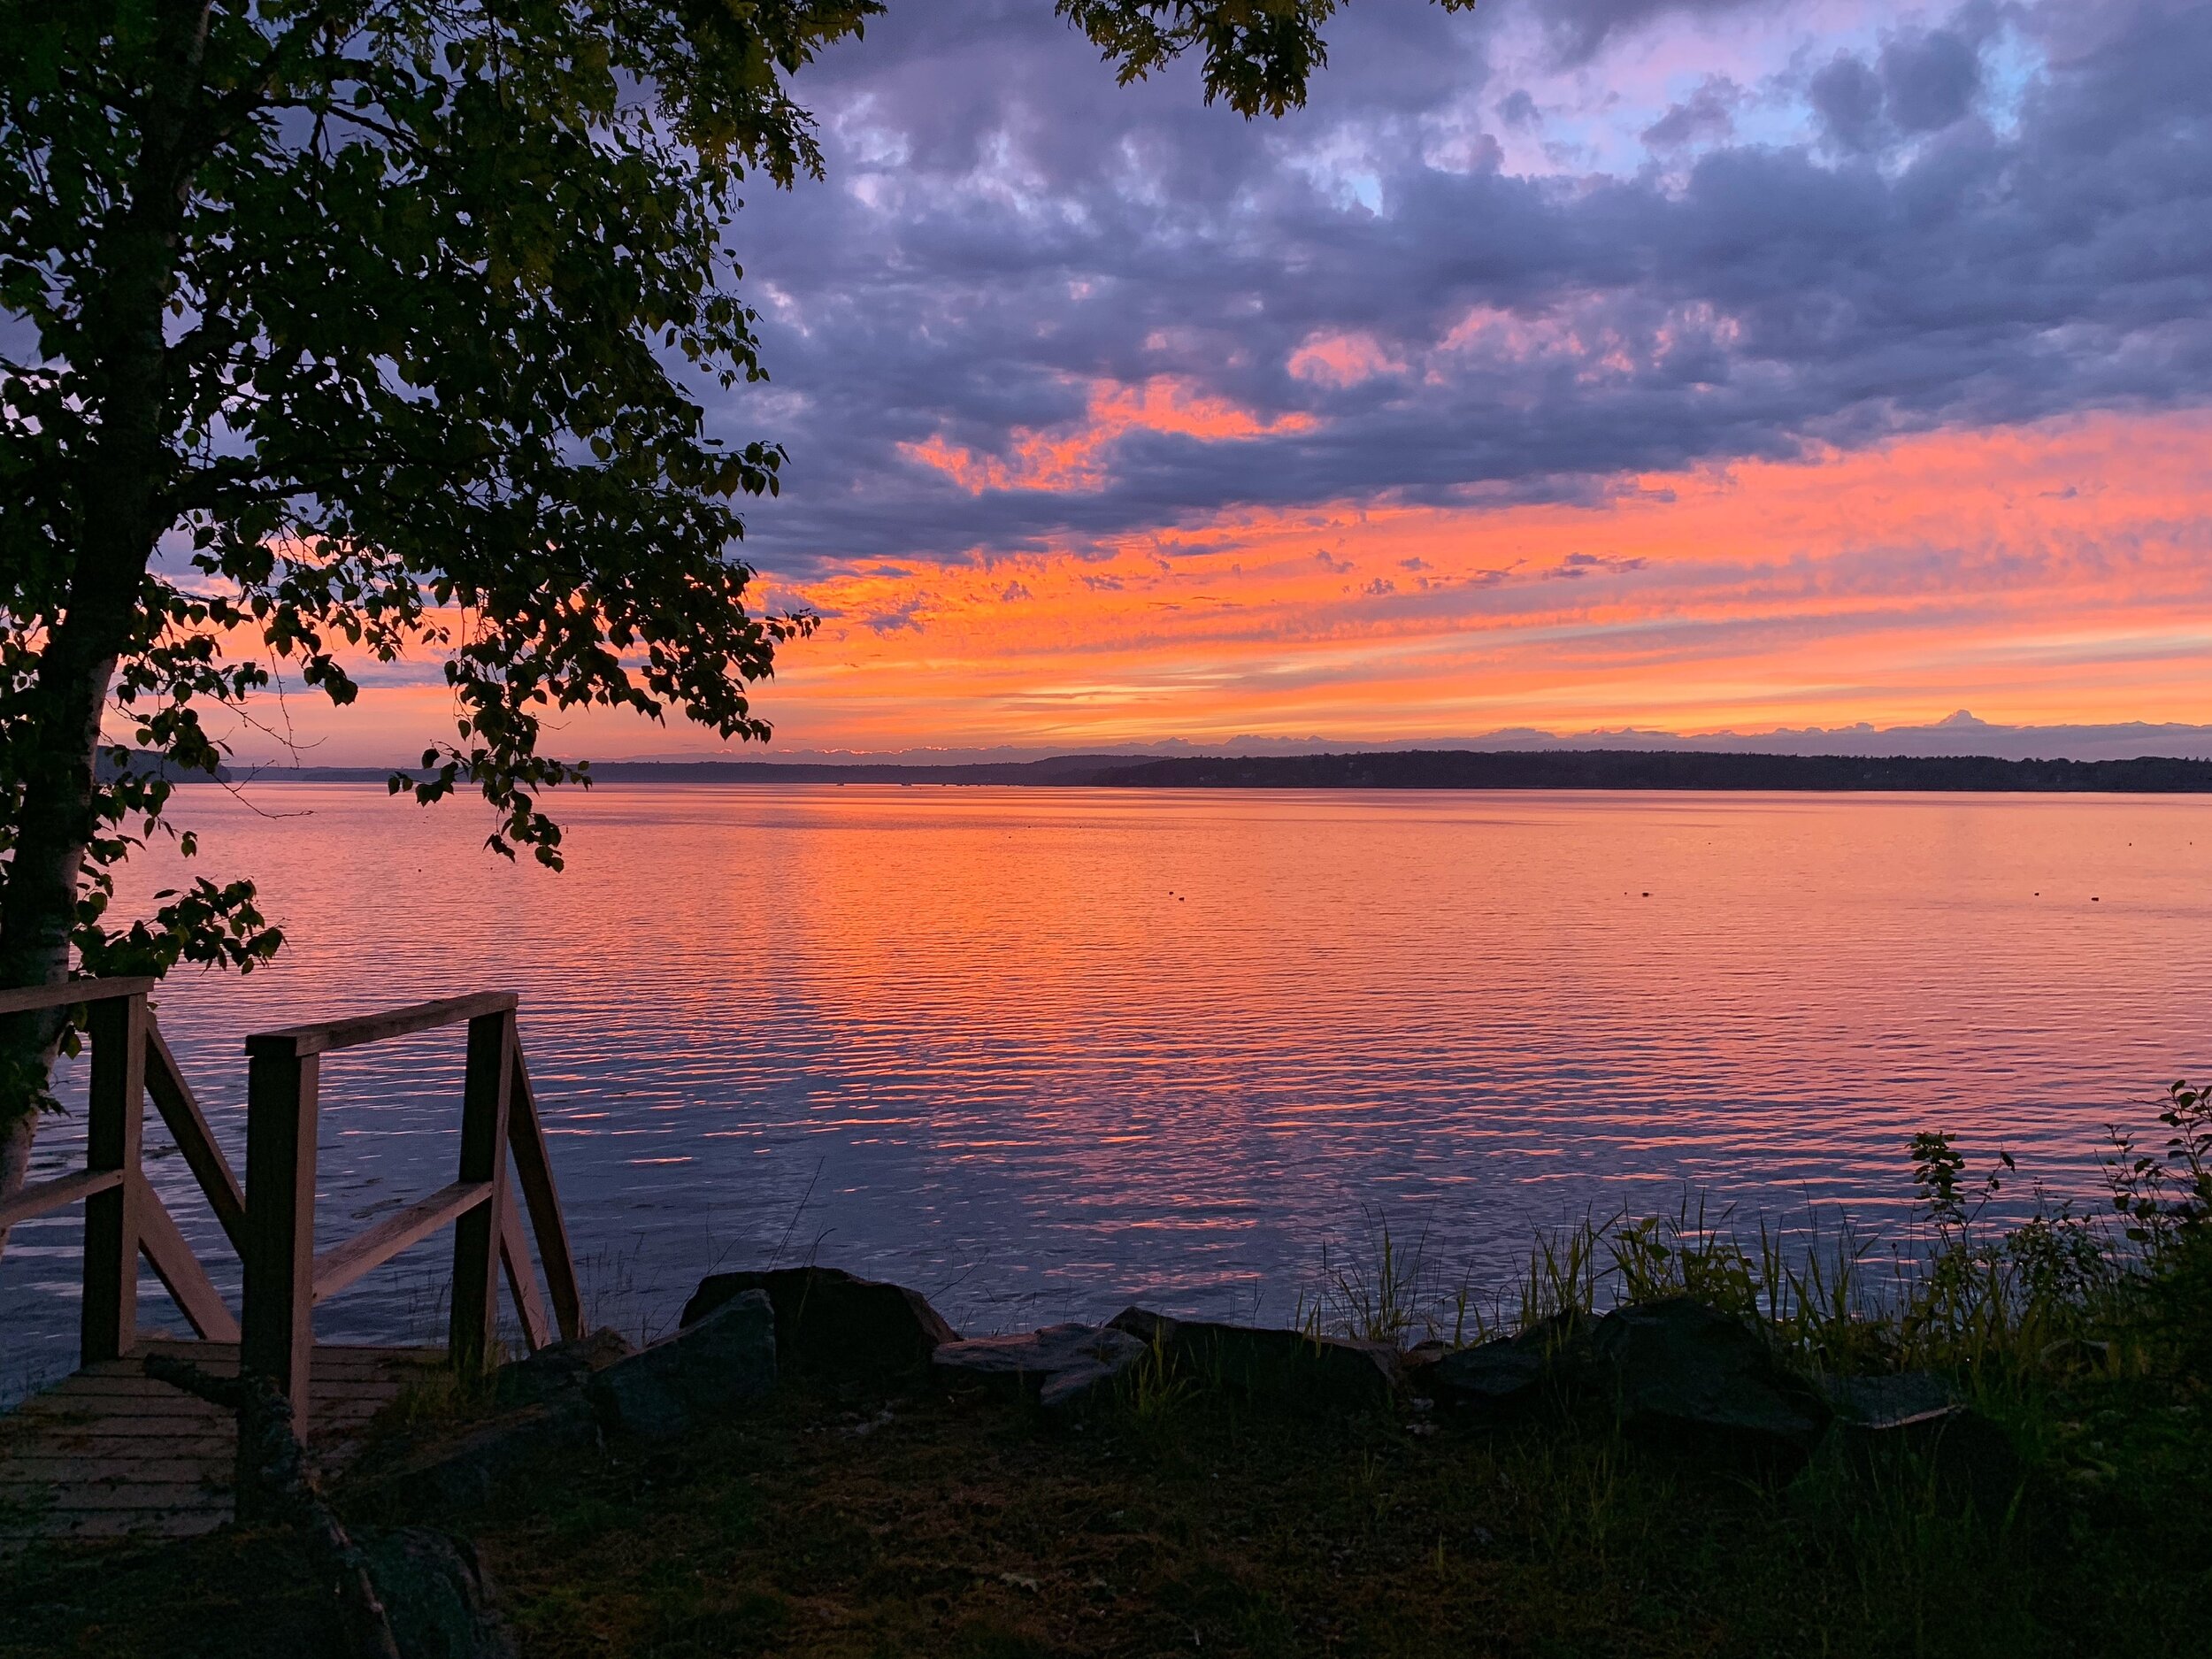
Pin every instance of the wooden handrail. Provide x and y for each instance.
(342, 1264)
(69, 993)
(114, 1123)
(271, 1217)
(285, 1278)
(44, 1195)
(165, 1251)
(522, 1284)
(487, 1093)
(187, 1127)
(125, 1218)
(534, 1171)
(298, 1042)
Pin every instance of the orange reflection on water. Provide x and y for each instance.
(1045, 1052)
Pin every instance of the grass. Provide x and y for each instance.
(841, 1522)
(969, 1526)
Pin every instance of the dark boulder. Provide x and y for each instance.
(831, 1324)
(690, 1379)
(1289, 1367)
(436, 1595)
(1682, 1367)
(1508, 1375)
(1065, 1365)
(558, 1370)
(1888, 1403)
(1492, 1376)
(1415, 1361)
(1912, 1431)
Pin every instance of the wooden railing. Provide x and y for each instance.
(271, 1221)
(285, 1277)
(124, 1217)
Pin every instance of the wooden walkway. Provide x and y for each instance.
(110, 1452)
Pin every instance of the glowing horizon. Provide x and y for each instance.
(2043, 575)
(1692, 370)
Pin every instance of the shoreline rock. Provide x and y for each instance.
(1915, 1425)
(721, 1361)
(1266, 1364)
(1064, 1364)
(1681, 1365)
(829, 1322)
(557, 1371)
(1511, 1375)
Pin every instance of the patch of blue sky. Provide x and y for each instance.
(1593, 117)
(2011, 64)
(1344, 166)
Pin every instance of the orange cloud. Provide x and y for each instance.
(1342, 360)
(2051, 574)
(2061, 572)
(1075, 456)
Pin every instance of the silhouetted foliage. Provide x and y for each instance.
(386, 322)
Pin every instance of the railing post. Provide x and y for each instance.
(114, 1123)
(533, 1174)
(277, 1322)
(476, 1234)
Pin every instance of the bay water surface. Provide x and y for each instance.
(1041, 1053)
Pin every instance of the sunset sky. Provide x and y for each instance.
(1572, 365)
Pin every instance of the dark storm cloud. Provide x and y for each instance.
(1847, 97)
(1930, 79)
(1706, 114)
(1005, 230)
(1579, 28)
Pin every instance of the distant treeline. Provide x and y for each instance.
(1640, 769)
(1057, 769)
(1402, 769)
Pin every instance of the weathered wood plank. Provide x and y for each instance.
(208, 1440)
(102, 1414)
(96, 1458)
(522, 1279)
(78, 1527)
(115, 1116)
(192, 1493)
(344, 1369)
(82, 1527)
(113, 1395)
(180, 1270)
(486, 1088)
(397, 1022)
(38, 1429)
(180, 1109)
(109, 1468)
(278, 1324)
(339, 1266)
(533, 1174)
(69, 993)
(54, 1194)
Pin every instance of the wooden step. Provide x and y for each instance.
(111, 1452)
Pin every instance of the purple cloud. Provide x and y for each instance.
(1948, 225)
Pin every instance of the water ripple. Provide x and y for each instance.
(1043, 1052)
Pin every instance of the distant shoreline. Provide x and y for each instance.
(1408, 769)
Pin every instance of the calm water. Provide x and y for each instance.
(1041, 1053)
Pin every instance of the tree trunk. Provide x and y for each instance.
(38, 906)
(15, 1158)
(120, 510)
